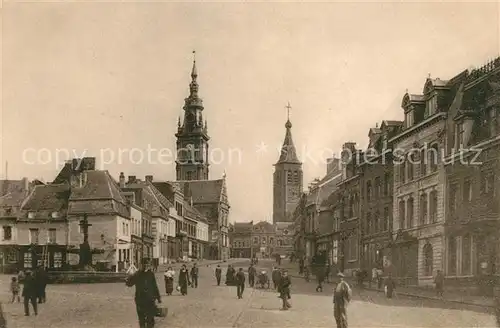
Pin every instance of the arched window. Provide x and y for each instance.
(428, 259)
(423, 163)
(402, 214)
(410, 164)
(410, 213)
(423, 209)
(368, 191)
(433, 157)
(433, 202)
(368, 223)
(376, 222)
(402, 172)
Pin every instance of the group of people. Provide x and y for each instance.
(34, 285)
(186, 278)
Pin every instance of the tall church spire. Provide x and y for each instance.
(193, 86)
(288, 152)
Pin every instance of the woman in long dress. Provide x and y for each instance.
(169, 280)
(184, 279)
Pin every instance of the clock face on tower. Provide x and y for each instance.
(293, 193)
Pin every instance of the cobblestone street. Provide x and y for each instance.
(111, 305)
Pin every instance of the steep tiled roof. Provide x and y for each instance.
(325, 187)
(264, 225)
(99, 194)
(243, 227)
(159, 196)
(166, 189)
(53, 197)
(203, 191)
(99, 185)
(13, 192)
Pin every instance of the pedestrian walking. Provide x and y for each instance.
(184, 280)
(275, 276)
(320, 276)
(194, 276)
(327, 272)
(240, 283)
(29, 294)
(14, 289)
(342, 295)
(380, 273)
(285, 285)
(389, 286)
(146, 292)
(41, 278)
(3, 322)
(169, 280)
(218, 274)
(374, 277)
(251, 275)
(230, 275)
(439, 282)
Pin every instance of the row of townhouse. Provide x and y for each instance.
(424, 195)
(127, 221)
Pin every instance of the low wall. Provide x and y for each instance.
(85, 277)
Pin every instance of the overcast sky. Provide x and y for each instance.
(98, 78)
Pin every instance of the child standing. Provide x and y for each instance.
(14, 288)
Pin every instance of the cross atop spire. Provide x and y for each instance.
(194, 71)
(288, 124)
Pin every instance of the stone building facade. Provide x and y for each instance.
(419, 183)
(376, 174)
(472, 165)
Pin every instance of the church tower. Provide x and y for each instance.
(287, 179)
(192, 137)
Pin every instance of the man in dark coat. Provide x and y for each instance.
(240, 283)
(284, 289)
(146, 292)
(251, 275)
(41, 279)
(276, 276)
(341, 298)
(218, 274)
(194, 276)
(30, 290)
(230, 276)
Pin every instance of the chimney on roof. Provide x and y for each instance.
(88, 163)
(332, 164)
(26, 184)
(122, 180)
(132, 178)
(149, 178)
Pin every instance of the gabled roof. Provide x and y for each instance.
(203, 191)
(167, 189)
(324, 188)
(13, 192)
(264, 226)
(242, 227)
(98, 185)
(99, 194)
(52, 197)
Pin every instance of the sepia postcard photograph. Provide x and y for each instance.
(249, 164)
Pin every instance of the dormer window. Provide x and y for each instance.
(431, 106)
(459, 136)
(31, 215)
(409, 119)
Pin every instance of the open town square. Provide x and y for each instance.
(252, 164)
